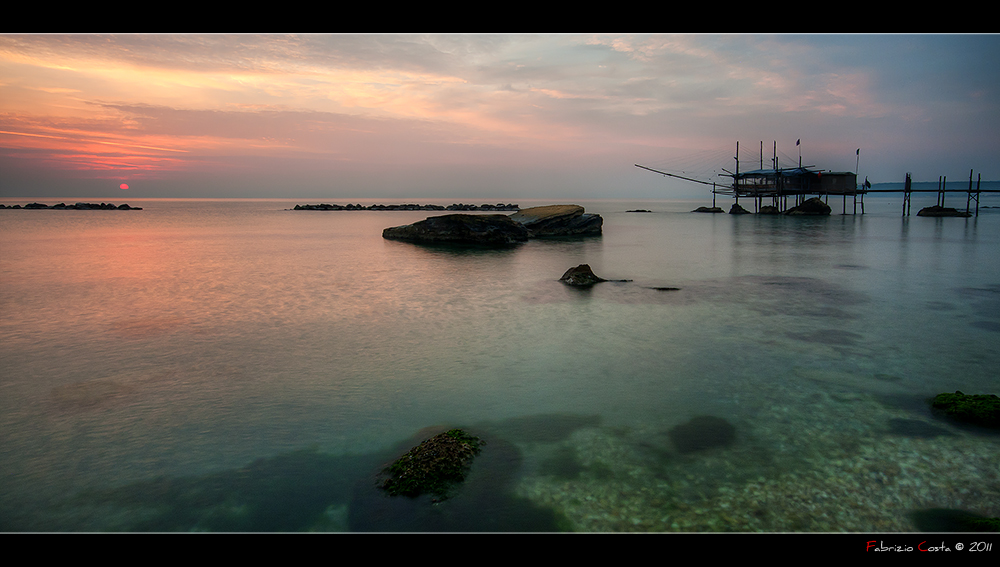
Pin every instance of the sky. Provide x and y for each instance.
(493, 117)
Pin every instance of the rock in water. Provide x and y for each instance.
(558, 220)
(433, 466)
(939, 211)
(980, 409)
(736, 209)
(580, 276)
(813, 206)
(708, 210)
(480, 230)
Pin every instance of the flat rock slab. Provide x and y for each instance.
(558, 220)
(538, 214)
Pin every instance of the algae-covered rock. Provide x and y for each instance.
(434, 466)
(979, 409)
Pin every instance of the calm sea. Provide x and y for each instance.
(238, 366)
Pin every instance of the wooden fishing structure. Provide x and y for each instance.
(779, 184)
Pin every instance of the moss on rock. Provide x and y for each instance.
(434, 466)
(979, 409)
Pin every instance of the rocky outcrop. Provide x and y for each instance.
(558, 220)
(736, 209)
(708, 210)
(814, 206)
(581, 276)
(500, 230)
(939, 211)
(769, 210)
(479, 230)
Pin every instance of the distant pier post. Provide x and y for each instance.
(969, 199)
(906, 196)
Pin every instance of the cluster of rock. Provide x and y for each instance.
(500, 230)
(408, 207)
(813, 206)
(76, 207)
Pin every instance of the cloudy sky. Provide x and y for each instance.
(497, 117)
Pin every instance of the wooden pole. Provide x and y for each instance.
(906, 196)
(978, 181)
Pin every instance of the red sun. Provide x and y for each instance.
(123, 186)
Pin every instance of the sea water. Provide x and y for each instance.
(228, 365)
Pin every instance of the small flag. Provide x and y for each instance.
(797, 141)
(858, 152)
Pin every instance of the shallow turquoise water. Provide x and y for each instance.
(237, 366)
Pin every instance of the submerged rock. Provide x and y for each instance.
(481, 230)
(434, 466)
(813, 206)
(702, 432)
(978, 409)
(558, 220)
(581, 276)
(951, 520)
(939, 211)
